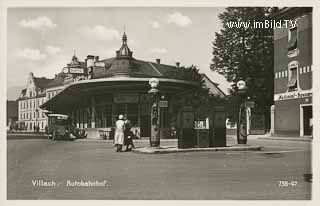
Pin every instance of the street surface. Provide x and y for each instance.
(252, 175)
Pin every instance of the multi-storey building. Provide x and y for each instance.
(40, 90)
(30, 116)
(292, 109)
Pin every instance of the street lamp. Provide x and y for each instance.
(155, 114)
(242, 118)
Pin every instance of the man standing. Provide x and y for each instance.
(119, 133)
(128, 134)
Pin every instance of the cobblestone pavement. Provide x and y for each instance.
(181, 176)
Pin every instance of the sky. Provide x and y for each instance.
(43, 40)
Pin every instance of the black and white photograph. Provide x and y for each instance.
(157, 102)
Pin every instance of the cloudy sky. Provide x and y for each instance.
(43, 40)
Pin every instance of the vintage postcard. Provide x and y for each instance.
(160, 101)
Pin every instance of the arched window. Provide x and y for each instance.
(293, 77)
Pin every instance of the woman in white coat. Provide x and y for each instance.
(119, 133)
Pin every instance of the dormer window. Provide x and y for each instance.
(293, 42)
(293, 39)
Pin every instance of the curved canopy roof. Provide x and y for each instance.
(79, 93)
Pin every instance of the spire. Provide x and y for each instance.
(124, 38)
(124, 51)
(74, 58)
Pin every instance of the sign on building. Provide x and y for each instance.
(163, 103)
(201, 124)
(292, 95)
(126, 98)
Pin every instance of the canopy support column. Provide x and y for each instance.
(93, 111)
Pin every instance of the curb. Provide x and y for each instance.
(111, 141)
(287, 139)
(146, 150)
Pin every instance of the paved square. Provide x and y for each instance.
(197, 175)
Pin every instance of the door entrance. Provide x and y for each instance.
(307, 120)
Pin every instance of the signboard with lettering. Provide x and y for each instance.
(293, 95)
(99, 64)
(126, 98)
(163, 103)
(201, 124)
(76, 70)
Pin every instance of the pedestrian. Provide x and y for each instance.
(119, 133)
(46, 129)
(128, 134)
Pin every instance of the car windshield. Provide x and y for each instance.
(57, 120)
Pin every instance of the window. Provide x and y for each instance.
(131, 110)
(103, 115)
(292, 39)
(164, 117)
(108, 115)
(293, 76)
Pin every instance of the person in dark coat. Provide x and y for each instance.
(128, 134)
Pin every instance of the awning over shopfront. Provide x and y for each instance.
(80, 93)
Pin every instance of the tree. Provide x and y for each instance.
(241, 53)
(201, 100)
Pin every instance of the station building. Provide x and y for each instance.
(96, 91)
(291, 113)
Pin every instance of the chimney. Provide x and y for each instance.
(31, 74)
(96, 58)
(89, 61)
(178, 64)
(158, 61)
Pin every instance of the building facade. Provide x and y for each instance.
(31, 117)
(95, 93)
(292, 109)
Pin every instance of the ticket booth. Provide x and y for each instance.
(218, 131)
(202, 129)
(187, 134)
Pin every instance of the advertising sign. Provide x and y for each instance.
(76, 70)
(163, 103)
(201, 124)
(292, 95)
(126, 98)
